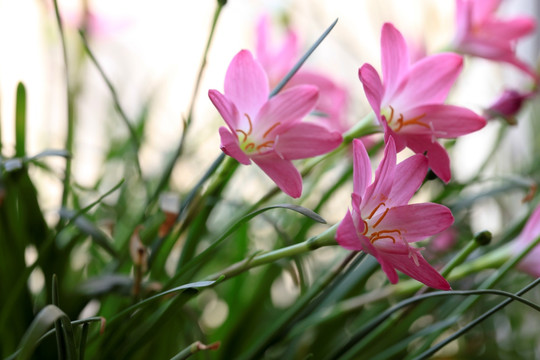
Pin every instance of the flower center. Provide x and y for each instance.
(379, 234)
(248, 142)
(397, 122)
(370, 225)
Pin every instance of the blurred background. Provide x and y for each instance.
(151, 51)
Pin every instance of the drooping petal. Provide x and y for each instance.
(282, 172)
(246, 83)
(417, 221)
(438, 159)
(428, 81)
(372, 87)
(304, 140)
(509, 29)
(379, 191)
(346, 234)
(443, 121)
(414, 265)
(532, 228)
(409, 175)
(387, 266)
(286, 107)
(361, 168)
(226, 108)
(394, 58)
(229, 145)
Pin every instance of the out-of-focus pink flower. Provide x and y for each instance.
(277, 61)
(530, 263)
(94, 22)
(408, 101)
(508, 105)
(481, 33)
(269, 131)
(444, 241)
(382, 223)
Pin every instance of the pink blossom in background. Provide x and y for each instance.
(96, 23)
(508, 105)
(408, 101)
(277, 61)
(444, 241)
(531, 262)
(481, 33)
(382, 223)
(269, 132)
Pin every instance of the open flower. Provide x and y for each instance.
(382, 223)
(277, 61)
(531, 262)
(269, 131)
(409, 100)
(480, 33)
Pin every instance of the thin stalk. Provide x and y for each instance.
(431, 351)
(133, 134)
(324, 239)
(70, 107)
(170, 166)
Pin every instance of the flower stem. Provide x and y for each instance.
(324, 239)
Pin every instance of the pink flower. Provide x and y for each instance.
(409, 103)
(508, 105)
(269, 131)
(277, 61)
(383, 225)
(531, 262)
(480, 33)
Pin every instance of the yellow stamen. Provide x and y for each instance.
(250, 124)
(375, 210)
(271, 128)
(265, 144)
(382, 217)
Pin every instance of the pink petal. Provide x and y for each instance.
(532, 228)
(226, 109)
(229, 145)
(379, 191)
(512, 29)
(463, 19)
(483, 9)
(246, 83)
(417, 221)
(286, 107)
(394, 57)
(443, 121)
(332, 101)
(304, 140)
(372, 87)
(282, 172)
(346, 234)
(438, 159)
(387, 266)
(419, 270)
(428, 81)
(408, 178)
(361, 168)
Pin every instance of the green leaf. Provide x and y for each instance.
(41, 324)
(20, 121)
(193, 263)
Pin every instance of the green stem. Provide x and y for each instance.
(170, 166)
(327, 238)
(70, 107)
(133, 134)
